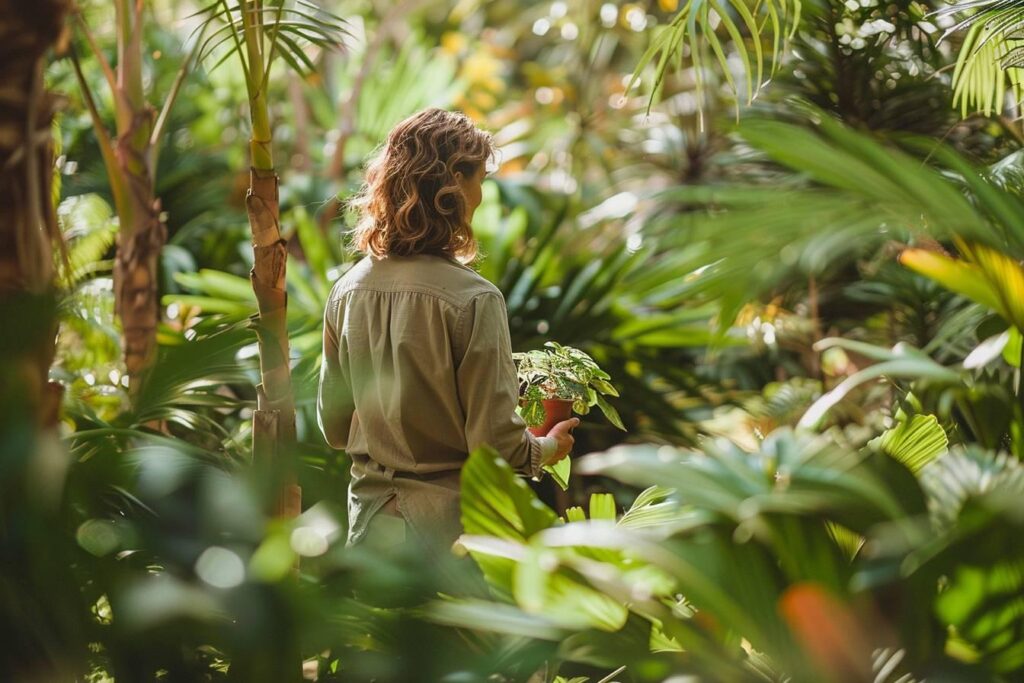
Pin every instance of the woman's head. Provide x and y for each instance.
(423, 186)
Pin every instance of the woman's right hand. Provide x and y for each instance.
(560, 433)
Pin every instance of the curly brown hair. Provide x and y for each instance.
(411, 202)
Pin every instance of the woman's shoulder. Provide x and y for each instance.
(443, 277)
(356, 273)
(451, 279)
(472, 282)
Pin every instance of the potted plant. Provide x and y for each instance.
(555, 382)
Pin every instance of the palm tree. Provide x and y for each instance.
(130, 157)
(29, 228)
(258, 32)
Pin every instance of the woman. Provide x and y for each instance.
(418, 368)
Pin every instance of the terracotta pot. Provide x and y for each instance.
(555, 410)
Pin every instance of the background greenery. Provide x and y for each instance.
(809, 302)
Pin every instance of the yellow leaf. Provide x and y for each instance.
(961, 276)
(668, 5)
(1004, 276)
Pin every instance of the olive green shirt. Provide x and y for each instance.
(417, 372)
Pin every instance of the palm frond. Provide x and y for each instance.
(964, 473)
(915, 441)
(857, 194)
(90, 230)
(989, 59)
(285, 30)
(698, 25)
(188, 375)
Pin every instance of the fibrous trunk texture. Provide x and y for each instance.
(274, 422)
(138, 250)
(28, 228)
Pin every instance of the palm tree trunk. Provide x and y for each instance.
(140, 239)
(130, 161)
(29, 228)
(142, 234)
(274, 420)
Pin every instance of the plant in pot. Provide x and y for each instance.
(555, 382)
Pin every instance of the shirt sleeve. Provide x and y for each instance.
(489, 388)
(335, 405)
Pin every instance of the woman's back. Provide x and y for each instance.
(417, 372)
(397, 325)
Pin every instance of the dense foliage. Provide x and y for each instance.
(785, 237)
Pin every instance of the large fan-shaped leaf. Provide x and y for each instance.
(495, 502)
(915, 442)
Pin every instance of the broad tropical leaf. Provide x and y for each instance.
(915, 441)
(495, 502)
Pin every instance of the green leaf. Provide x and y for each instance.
(915, 442)
(210, 304)
(1005, 277)
(541, 586)
(495, 502)
(651, 509)
(987, 351)
(958, 276)
(650, 496)
(1012, 350)
(532, 412)
(971, 472)
(532, 578)
(273, 560)
(602, 506)
(183, 370)
(493, 616)
(879, 353)
(315, 248)
(910, 367)
(849, 541)
(610, 412)
(604, 386)
(560, 472)
(575, 514)
(91, 231)
(990, 46)
(217, 284)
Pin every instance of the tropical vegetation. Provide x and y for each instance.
(778, 244)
